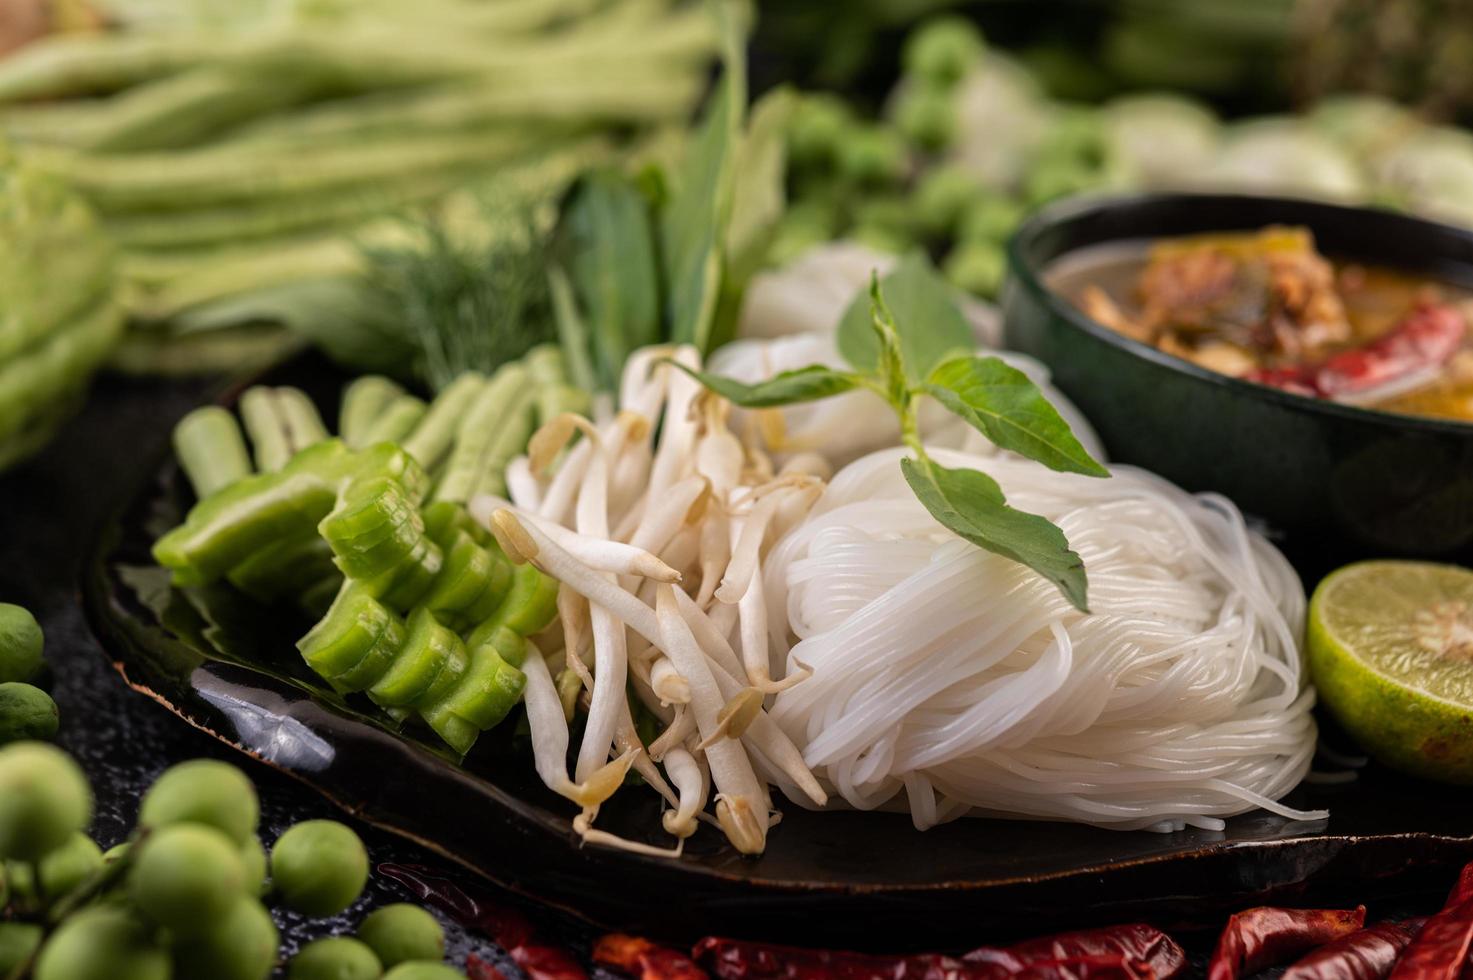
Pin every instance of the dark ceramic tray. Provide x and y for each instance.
(229, 667)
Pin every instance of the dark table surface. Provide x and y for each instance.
(49, 510)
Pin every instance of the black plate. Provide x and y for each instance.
(230, 668)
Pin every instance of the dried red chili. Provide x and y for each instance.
(1133, 952)
(644, 959)
(1299, 381)
(1259, 938)
(1424, 338)
(1441, 948)
(1463, 890)
(1368, 954)
(1136, 943)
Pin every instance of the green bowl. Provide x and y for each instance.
(1334, 482)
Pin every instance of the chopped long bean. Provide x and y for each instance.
(211, 450)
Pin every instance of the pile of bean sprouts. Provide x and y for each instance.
(948, 680)
(837, 641)
(657, 541)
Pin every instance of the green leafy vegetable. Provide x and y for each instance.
(610, 247)
(788, 388)
(999, 401)
(691, 229)
(971, 504)
(921, 299)
(758, 198)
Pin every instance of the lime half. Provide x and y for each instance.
(1391, 652)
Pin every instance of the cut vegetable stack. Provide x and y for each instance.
(424, 613)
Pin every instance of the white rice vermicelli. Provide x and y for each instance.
(947, 679)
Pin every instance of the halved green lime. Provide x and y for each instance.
(1391, 652)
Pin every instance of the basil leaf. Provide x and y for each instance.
(972, 505)
(788, 388)
(930, 325)
(691, 228)
(890, 364)
(1001, 402)
(609, 244)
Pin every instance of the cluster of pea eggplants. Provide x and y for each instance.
(185, 896)
(26, 711)
(887, 182)
(424, 613)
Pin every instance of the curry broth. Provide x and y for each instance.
(1381, 308)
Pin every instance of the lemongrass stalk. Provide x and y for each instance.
(211, 449)
(261, 413)
(740, 804)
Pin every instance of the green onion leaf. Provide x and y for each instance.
(1001, 402)
(610, 252)
(971, 504)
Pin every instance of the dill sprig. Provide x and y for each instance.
(467, 301)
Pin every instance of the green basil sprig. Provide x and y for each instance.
(990, 395)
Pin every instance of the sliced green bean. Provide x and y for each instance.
(265, 422)
(431, 439)
(211, 449)
(508, 392)
(304, 425)
(364, 400)
(396, 421)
